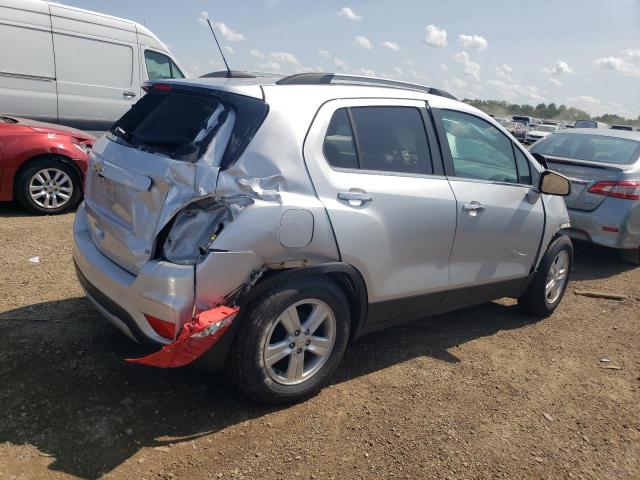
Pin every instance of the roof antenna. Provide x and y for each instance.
(222, 54)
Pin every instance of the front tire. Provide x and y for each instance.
(548, 286)
(291, 340)
(48, 186)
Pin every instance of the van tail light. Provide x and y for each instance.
(161, 327)
(626, 189)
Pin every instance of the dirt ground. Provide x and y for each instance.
(485, 392)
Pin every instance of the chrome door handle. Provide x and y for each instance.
(355, 196)
(474, 208)
(128, 94)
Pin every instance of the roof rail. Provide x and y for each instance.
(340, 79)
(228, 74)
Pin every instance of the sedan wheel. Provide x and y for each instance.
(300, 342)
(50, 188)
(557, 276)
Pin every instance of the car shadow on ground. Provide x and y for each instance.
(593, 262)
(12, 209)
(67, 391)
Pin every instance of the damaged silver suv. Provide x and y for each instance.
(262, 223)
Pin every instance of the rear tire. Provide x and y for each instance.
(550, 282)
(274, 361)
(48, 186)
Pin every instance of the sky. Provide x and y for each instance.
(583, 53)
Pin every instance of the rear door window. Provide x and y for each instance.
(385, 139)
(160, 66)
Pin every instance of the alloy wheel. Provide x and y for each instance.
(557, 277)
(50, 188)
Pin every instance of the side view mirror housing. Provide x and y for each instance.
(540, 158)
(553, 183)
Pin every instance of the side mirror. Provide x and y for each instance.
(553, 183)
(540, 158)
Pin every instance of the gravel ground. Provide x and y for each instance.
(485, 392)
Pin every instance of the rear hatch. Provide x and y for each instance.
(587, 159)
(163, 154)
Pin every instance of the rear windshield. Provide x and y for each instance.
(180, 124)
(593, 148)
(585, 124)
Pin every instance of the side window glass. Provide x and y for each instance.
(339, 147)
(524, 168)
(391, 139)
(160, 66)
(479, 150)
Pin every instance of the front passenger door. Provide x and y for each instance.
(500, 218)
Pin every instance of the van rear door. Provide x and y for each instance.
(98, 70)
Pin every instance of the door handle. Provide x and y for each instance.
(355, 196)
(473, 208)
(128, 94)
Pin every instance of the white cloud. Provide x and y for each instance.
(555, 82)
(363, 42)
(283, 57)
(270, 65)
(364, 72)
(473, 41)
(458, 83)
(324, 53)
(228, 49)
(560, 68)
(628, 66)
(272, 3)
(222, 28)
(417, 75)
(504, 72)
(256, 53)
(436, 36)
(391, 46)
(341, 63)
(202, 18)
(397, 70)
(348, 13)
(514, 92)
(444, 67)
(471, 68)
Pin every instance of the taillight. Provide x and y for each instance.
(627, 189)
(147, 87)
(161, 327)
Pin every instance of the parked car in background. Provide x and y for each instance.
(627, 128)
(75, 67)
(523, 119)
(589, 124)
(517, 129)
(292, 216)
(536, 132)
(604, 169)
(42, 166)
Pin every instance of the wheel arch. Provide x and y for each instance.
(46, 156)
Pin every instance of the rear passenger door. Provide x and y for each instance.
(500, 217)
(376, 168)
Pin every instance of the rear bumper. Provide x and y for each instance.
(161, 289)
(621, 214)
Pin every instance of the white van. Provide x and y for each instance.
(66, 65)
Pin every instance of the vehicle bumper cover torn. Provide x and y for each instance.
(197, 336)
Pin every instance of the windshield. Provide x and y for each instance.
(593, 148)
(585, 124)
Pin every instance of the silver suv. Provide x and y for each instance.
(262, 223)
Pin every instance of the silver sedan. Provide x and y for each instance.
(604, 169)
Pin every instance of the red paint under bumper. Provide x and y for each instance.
(197, 336)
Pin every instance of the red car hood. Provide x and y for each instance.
(43, 127)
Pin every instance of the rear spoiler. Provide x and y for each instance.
(586, 163)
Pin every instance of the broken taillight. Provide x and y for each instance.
(161, 327)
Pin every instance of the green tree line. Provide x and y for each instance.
(547, 111)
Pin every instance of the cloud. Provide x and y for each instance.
(228, 49)
(324, 53)
(417, 75)
(436, 36)
(256, 53)
(555, 82)
(630, 65)
(397, 70)
(504, 72)
(203, 17)
(222, 28)
(560, 68)
(341, 63)
(272, 3)
(471, 68)
(514, 92)
(348, 13)
(444, 67)
(473, 41)
(458, 83)
(391, 46)
(270, 65)
(283, 57)
(363, 42)
(364, 72)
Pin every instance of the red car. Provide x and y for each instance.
(42, 166)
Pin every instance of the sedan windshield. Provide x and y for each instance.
(593, 148)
